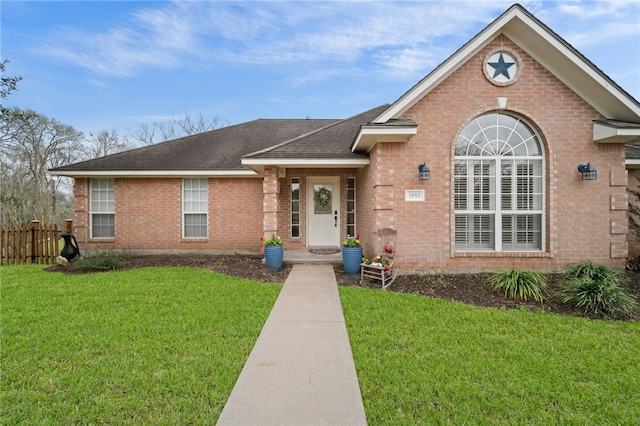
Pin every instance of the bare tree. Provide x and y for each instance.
(105, 143)
(31, 144)
(176, 128)
(7, 84)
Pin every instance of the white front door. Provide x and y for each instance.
(323, 211)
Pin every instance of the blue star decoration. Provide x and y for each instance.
(501, 67)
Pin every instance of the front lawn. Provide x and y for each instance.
(166, 345)
(146, 346)
(429, 361)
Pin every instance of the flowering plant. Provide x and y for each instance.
(379, 261)
(388, 249)
(352, 242)
(271, 241)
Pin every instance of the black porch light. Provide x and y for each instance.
(588, 172)
(423, 172)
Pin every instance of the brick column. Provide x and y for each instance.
(81, 209)
(383, 189)
(270, 201)
(619, 221)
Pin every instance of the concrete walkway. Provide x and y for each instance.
(301, 370)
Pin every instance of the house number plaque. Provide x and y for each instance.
(414, 195)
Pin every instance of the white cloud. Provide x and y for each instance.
(584, 10)
(589, 36)
(398, 40)
(591, 23)
(349, 33)
(158, 38)
(409, 63)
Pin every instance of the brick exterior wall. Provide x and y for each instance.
(148, 215)
(148, 212)
(584, 219)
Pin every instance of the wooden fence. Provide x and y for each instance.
(34, 244)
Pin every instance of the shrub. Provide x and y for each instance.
(595, 289)
(588, 269)
(106, 260)
(521, 284)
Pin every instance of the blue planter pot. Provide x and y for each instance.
(273, 256)
(351, 259)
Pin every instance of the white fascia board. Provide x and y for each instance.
(632, 164)
(609, 134)
(369, 136)
(572, 69)
(389, 130)
(306, 163)
(445, 69)
(156, 173)
(568, 66)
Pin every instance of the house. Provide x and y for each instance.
(502, 126)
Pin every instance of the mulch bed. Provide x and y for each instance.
(465, 288)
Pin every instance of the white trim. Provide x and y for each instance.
(570, 67)
(331, 239)
(255, 172)
(306, 163)
(156, 173)
(445, 69)
(298, 212)
(185, 213)
(498, 212)
(603, 133)
(369, 136)
(355, 206)
(390, 131)
(561, 60)
(632, 164)
(99, 212)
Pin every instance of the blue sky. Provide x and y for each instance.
(115, 65)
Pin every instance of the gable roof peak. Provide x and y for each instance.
(547, 48)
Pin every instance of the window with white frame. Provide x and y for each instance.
(351, 206)
(498, 186)
(295, 207)
(102, 208)
(195, 207)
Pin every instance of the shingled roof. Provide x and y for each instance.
(229, 150)
(217, 152)
(331, 142)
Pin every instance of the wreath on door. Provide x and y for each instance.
(322, 199)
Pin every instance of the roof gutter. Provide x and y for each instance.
(606, 132)
(152, 173)
(633, 163)
(258, 164)
(369, 135)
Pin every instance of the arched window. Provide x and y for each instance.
(498, 186)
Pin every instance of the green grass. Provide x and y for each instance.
(428, 361)
(166, 345)
(146, 346)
